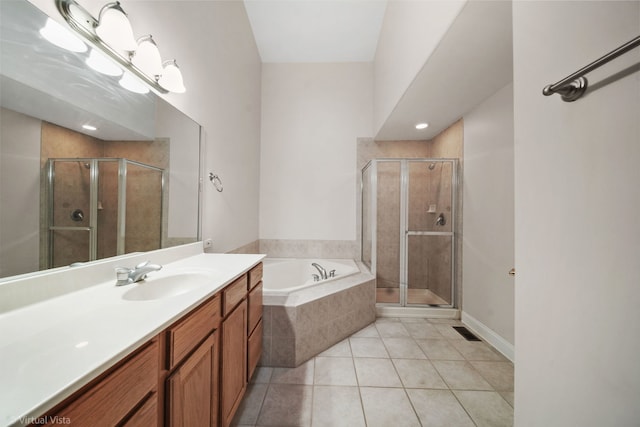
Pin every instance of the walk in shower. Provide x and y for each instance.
(101, 207)
(408, 230)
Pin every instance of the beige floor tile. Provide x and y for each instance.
(392, 329)
(498, 374)
(376, 373)
(439, 349)
(337, 406)
(334, 371)
(487, 408)
(286, 405)
(447, 331)
(403, 348)
(385, 407)
(262, 374)
(341, 349)
(368, 347)
(460, 375)
(250, 407)
(508, 396)
(439, 408)
(477, 350)
(418, 374)
(367, 332)
(303, 374)
(423, 330)
(445, 321)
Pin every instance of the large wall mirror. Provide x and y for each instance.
(88, 169)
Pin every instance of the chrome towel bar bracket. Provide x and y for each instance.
(575, 85)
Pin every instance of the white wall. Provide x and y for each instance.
(20, 155)
(410, 32)
(215, 49)
(577, 228)
(312, 115)
(488, 217)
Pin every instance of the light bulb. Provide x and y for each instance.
(99, 62)
(133, 84)
(147, 57)
(62, 37)
(115, 29)
(171, 78)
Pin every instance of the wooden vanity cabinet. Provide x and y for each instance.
(125, 395)
(254, 323)
(194, 373)
(234, 349)
(192, 389)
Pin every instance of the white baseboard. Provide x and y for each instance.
(487, 334)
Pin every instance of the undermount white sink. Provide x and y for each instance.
(167, 286)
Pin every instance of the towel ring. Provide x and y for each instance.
(216, 181)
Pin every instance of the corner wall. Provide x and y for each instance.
(488, 218)
(577, 230)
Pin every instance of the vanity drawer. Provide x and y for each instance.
(184, 336)
(255, 276)
(233, 294)
(255, 307)
(108, 402)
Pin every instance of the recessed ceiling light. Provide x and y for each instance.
(420, 126)
(89, 127)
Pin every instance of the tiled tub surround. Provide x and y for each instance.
(62, 328)
(300, 324)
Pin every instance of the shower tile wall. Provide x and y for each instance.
(59, 142)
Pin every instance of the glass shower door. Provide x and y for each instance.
(430, 232)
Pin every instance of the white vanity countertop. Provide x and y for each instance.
(50, 349)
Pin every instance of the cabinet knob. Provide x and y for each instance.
(512, 272)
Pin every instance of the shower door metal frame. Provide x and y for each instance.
(404, 231)
(92, 229)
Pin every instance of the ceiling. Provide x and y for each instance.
(472, 61)
(316, 30)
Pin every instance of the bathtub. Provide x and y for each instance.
(303, 317)
(285, 275)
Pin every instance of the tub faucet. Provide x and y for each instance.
(126, 276)
(321, 270)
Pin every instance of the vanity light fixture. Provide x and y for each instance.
(147, 56)
(171, 78)
(62, 37)
(99, 62)
(421, 126)
(113, 36)
(114, 28)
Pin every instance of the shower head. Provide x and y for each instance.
(432, 166)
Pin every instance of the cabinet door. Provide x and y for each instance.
(234, 361)
(192, 390)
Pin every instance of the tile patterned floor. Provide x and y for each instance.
(393, 373)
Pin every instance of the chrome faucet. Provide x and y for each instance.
(321, 270)
(126, 276)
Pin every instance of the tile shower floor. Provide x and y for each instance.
(393, 373)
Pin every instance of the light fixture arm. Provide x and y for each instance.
(84, 23)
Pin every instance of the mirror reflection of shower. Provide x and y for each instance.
(101, 211)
